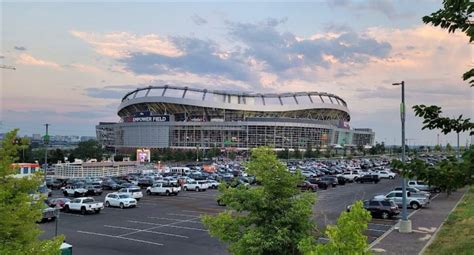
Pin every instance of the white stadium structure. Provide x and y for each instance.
(187, 118)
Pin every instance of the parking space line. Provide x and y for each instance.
(171, 225)
(162, 218)
(119, 237)
(147, 231)
(376, 230)
(184, 215)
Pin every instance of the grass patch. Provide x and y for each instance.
(457, 234)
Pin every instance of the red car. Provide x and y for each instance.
(57, 202)
(306, 185)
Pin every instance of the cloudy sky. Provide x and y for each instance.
(76, 60)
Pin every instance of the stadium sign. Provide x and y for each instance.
(158, 118)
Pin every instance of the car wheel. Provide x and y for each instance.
(138, 199)
(168, 193)
(83, 210)
(148, 192)
(121, 206)
(97, 211)
(65, 193)
(107, 204)
(185, 188)
(197, 189)
(415, 205)
(213, 186)
(100, 193)
(390, 177)
(437, 190)
(66, 208)
(385, 215)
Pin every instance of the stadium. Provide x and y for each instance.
(189, 118)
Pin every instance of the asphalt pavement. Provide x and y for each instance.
(170, 225)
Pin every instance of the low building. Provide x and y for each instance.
(26, 169)
(81, 169)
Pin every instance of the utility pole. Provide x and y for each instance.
(46, 142)
(405, 224)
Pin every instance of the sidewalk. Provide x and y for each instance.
(425, 223)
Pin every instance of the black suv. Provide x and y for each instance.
(321, 184)
(330, 180)
(368, 178)
(384, 209)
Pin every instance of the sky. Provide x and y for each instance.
(74, 61)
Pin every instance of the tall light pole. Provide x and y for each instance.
(46, 142)
(405, 223)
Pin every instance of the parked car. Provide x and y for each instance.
(331, 180)
(84, 205)
(213, 184)
(93, 190)
(422, 186)
(368, 178)
(306, 185)
(110, 185)
(379, 208)
(57, 202)
(121, 200)
(145, 182)
(321, 184)
(413, 202)
(48, 214)
(54, 183)
(163, 188)
(385, 174)
(415, 191)
(351, 175)
(133, 191)
(74, 191)
(195, 185)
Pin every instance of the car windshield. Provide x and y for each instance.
(124, 196)
(134, 190)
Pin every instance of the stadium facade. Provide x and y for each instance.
(187, 118)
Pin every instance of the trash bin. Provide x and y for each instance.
(66, 249)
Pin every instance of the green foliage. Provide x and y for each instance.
(448, 175)
(347, 237)
(19, 233)
(454, 16)
(296, 154)
(433, 120)
(309, 151)
(269, 219)
(88, 150)
(449, 148)
(437, 147)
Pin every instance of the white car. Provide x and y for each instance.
(163, 188)
(121, 200)
(385, 174)
(134, 192)
(195, 185)
(350, 175)
(213, 184)
(74, 191)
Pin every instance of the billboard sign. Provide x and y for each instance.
(147, 117)
(143, 155)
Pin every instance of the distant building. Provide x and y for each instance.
(26, 169)
(87, 138)
(81, 169)
(36, 137)
(186, 118)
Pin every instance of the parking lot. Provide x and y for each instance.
(170, 224)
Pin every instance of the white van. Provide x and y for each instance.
(180, 170)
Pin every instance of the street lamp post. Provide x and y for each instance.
(405, 223)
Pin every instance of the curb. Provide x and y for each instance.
(442, 224)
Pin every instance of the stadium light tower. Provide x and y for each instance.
(405, 223)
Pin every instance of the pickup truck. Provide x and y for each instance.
(195, 185)
(350, 176)
(415, 202)
(163, 188)
(384, 174)
(84, 205)
(422, 186)
(74, 191)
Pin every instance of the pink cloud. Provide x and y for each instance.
(26, 59)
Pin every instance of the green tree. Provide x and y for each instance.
(296, 154)
(88, 150)
(19, 233)
(309, 151)
(454, 16)
(272, 218)
(437, 148)
(449, 148)
(347, 237)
